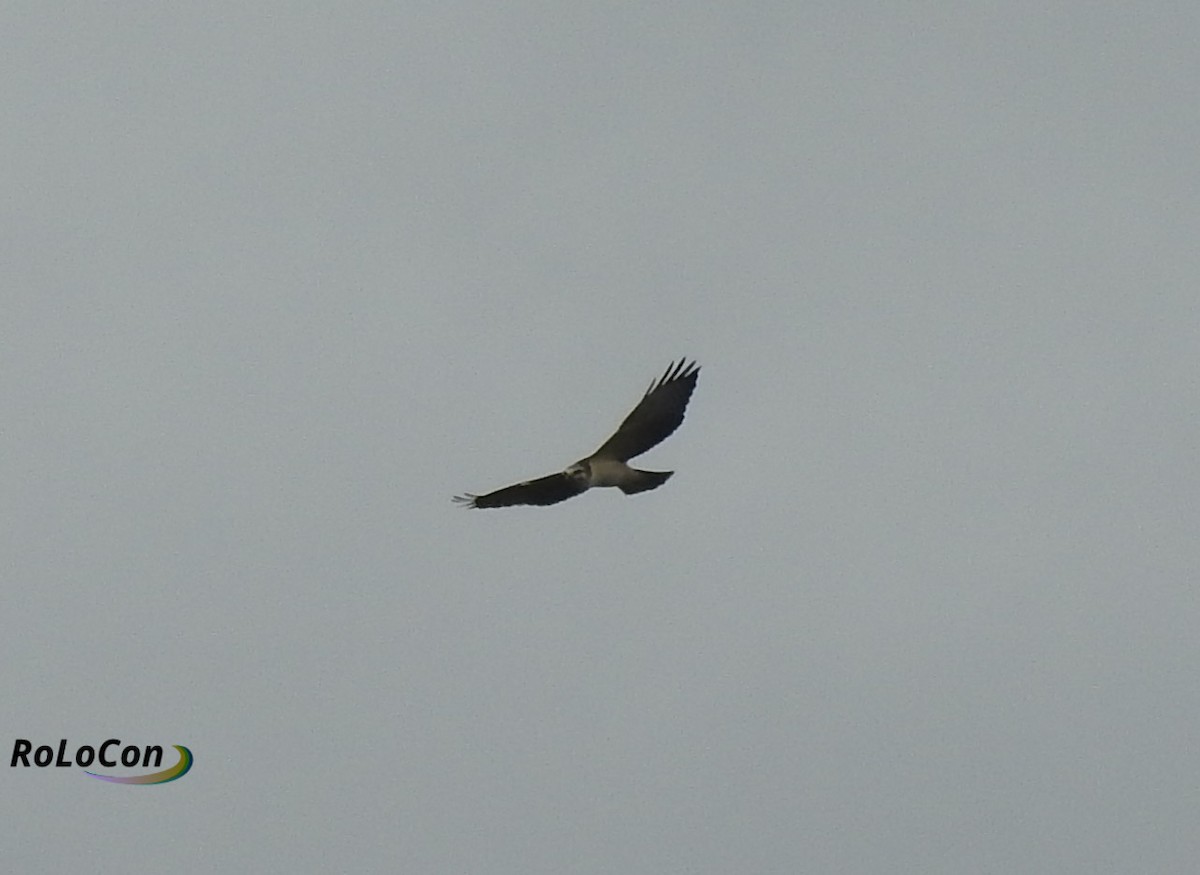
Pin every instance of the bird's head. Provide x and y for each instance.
(580, 472)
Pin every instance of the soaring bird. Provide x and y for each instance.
(657, 415)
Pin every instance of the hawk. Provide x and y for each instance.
(657, 415)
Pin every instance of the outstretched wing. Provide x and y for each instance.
(545, 490)
(657, 415)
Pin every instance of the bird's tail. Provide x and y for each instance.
(646, 480)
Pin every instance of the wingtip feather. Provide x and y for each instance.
(676, 370)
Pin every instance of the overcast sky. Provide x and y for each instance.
(278, 279)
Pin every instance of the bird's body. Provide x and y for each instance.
(610, 472)
(656, 416)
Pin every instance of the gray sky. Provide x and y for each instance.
(922, 596)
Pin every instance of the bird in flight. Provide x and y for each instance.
(657, 415)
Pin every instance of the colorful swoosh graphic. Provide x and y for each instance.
(175, 772)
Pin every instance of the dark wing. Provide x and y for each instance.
(544, 490)
(656, 416)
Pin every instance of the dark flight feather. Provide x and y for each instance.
(658, 414)
(545, 490)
